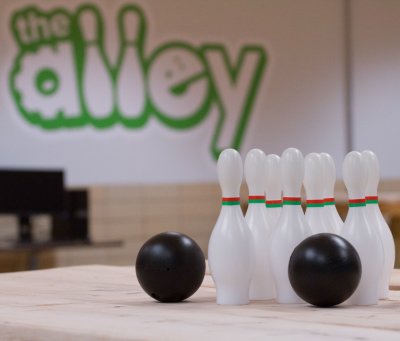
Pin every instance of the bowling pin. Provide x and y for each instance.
(230, 249)
(273, 189)
(262, 284)
(359, 231)
(130, 81)
(375, 216)
(96, 80)
(314, 186)
(291, 228)
(329, 171)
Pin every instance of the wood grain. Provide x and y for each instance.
(106, 302)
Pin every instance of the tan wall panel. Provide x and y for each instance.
(133, 214)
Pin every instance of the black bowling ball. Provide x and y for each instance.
(170, 267)
(324, 269)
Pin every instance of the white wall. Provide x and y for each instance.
(376, 82)
(300, 101)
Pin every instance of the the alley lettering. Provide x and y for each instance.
(62, 77)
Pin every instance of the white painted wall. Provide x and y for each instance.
(376, 82)
(300, 101)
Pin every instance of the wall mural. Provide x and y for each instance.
(62, 78)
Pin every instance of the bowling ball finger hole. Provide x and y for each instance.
(170, 267)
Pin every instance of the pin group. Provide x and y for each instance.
(249, 255)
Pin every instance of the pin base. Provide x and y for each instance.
(383, 293)
(233, 296)
(362, 300)
(258, 295)
(289, 298)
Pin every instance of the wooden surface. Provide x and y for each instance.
(105, 302)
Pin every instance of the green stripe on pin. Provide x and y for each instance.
(230, 203)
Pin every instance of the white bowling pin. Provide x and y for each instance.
(273, 189)
(291, 228)
(375, 216)
(359, 231)
(329, 171)
(230, 249)
(262, 283)
(130, 81)
(314, 186)
(97, 83)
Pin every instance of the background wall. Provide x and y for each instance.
(330, 83)
(376, 80)
(299, 101)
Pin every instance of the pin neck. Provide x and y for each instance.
(371, 200)
(356, 202)
(256, 199)
(315, 203)
(273, 203)
(329, 201)
(291, 201)
(230, 201)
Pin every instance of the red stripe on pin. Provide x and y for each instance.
(291, 198)
(329, 200)
(231, 199)
(356, 201)
(256, 197)
(316, 201)
(272, 202)
(371, 198)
